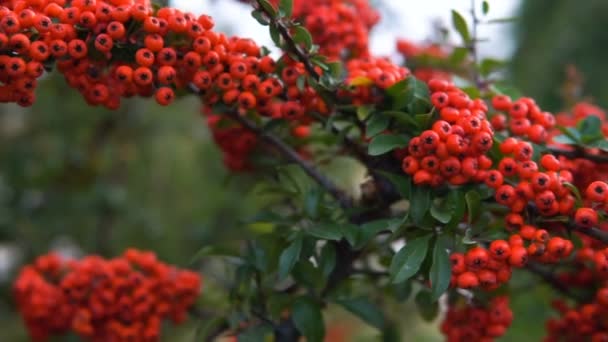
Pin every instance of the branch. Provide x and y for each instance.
(292, 155)
(303, 56)
(578, 153)
(592, 232)
(555, 283)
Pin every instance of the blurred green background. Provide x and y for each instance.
(86, 180)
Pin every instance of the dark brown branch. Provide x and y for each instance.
(578, 153)
(592, 232)
(292, 46)
(293, 156)
(552, 281)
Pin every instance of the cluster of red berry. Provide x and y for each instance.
(368, 75)
(121, 299)
(470, 322)
(422, 59)
(524, 118)
(339, 27)
(455, 149)
(586, 322)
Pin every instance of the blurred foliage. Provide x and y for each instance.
(86, 180)
(552, 34)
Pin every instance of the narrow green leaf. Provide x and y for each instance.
(364, 309)
(461, 26)
(327, 259)
(590, 129)
(601, 144)
(255, 333)
(384, 143)
(458, 206)
(326, 231)
(302, 36)
(351, 233)
(369, 230)
(564, 139)
(402, 118)
(268, 8)
(441, 270)
(260, 17)
(308, 319)
(473, 200)
(275, 35)
(441, 214)
(420, 203)
(490, 65)
(289, 257)
(363, 112)
(574, 190)
(376, 124)
(458, 55)
(427, 307)
(407, 261)
(485, 7)
(286, 7)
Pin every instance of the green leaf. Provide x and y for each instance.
(490, 65)
(369, 230)
(289, 257)
(402, 291)
(384, 143)
(308, 319)
(485, 7)
(401, 183)
(571, 132)
(411, 93)
(575, 192)
(427, 307)
(473, 200)
(286, 7)
(441, 213)
(590, 129)
(260, 17)
(376, 124)
(601, 144)
(458, 55)
(327, 231)
(364, 309)
(363, 112)
(351, 233)
(312, 202)
(417, 94)
(564, 139)
(407, 261)
(275, 35)
(458, 206)
(268, 8)
(461, 26)
(402, 118)
(327, 259)
(420, 203)
(302, 36)
(441, 270)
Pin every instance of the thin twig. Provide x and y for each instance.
(592, 232)
(555, 283)
(578, 153)
(293, 156)
(292, 46)
(473, 48)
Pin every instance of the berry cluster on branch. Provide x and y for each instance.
(121, 299)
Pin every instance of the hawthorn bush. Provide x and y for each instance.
(467, 181)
